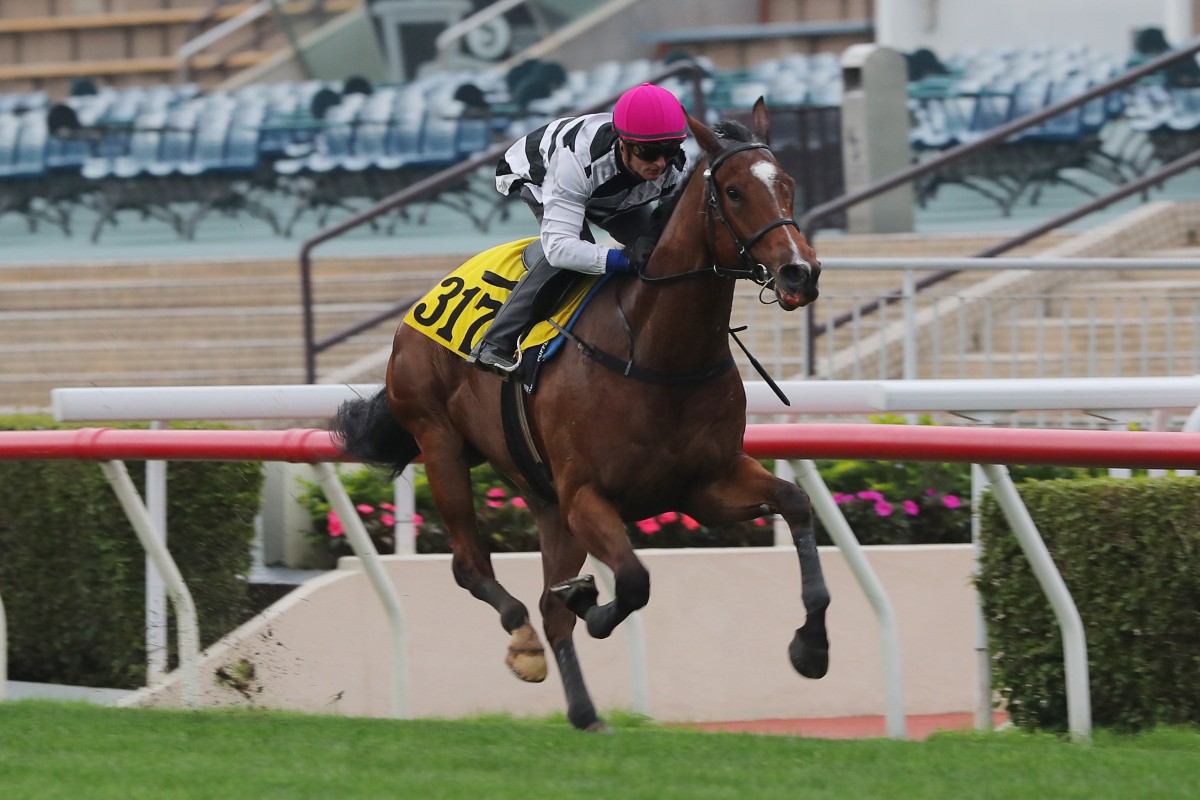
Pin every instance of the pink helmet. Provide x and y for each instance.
(649, 113)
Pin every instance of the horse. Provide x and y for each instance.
(657, 427)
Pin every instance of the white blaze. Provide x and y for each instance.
(766, 172)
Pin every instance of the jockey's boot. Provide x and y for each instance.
(532, 298)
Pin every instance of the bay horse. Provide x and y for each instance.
(657, 428)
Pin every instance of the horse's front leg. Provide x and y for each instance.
(562, 557)
(450, 481)
(598, 527)
(748, 491)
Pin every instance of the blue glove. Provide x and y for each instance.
(616, 261)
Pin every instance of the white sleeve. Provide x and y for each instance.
(565, 192)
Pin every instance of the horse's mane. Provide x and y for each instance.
(727, 130)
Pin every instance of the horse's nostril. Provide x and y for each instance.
(795, 277)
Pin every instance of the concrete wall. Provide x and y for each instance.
(716, 632)
(619, 38)
(946, 26)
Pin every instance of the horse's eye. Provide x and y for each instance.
(733, 193)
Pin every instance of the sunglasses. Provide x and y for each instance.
(653, 151)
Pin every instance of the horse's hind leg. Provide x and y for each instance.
(561, 559)
(750, 491)
(450, 481)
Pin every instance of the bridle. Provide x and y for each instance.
(750, 268)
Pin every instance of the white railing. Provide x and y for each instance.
(1032, 319)
(975, 399)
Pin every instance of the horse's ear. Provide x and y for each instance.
(762, 120)
(704, 136)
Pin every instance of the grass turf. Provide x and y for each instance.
(54, 750)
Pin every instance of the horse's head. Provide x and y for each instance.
(752, 197)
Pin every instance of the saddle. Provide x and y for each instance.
(458, 310)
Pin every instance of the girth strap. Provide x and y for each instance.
(520, 441)
(630, 370)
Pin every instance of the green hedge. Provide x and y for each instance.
(1129, 552)
(72, 574)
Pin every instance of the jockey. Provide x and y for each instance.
(603, 169)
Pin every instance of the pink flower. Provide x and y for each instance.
(496, 493)
(950, 501)
(911, 508)
(840, 498)
(931, 492)
(668, 517)
(883, 508)
(870, 495)
(334, 524)
(519, 502)
(760, 522)
(418, 519)
(688, 522)
(363, 508)
(387, 506)
(387, 519)
(648, 526)
(494, 503)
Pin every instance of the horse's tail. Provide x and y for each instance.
(366, 429)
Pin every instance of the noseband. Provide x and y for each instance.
(751, 269)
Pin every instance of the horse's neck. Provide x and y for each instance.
(681, 325)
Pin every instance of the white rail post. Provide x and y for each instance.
(1079, 702)
(889, 634)
(983, 661)
(185, 607)
(364, 548)
(156, 593)
(406, 508)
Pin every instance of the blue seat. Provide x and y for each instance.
(178, 139)
(208, 152)
(145, 145)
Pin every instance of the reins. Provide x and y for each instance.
(751, 270)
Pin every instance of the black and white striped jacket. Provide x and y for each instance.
(573, 168)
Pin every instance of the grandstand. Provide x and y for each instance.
(152, 205)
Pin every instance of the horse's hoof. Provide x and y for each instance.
(809, 654)
(577, 594)
(599, 726)
(526, 658)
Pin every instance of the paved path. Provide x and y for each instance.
(919, 726)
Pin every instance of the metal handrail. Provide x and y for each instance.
(1120, 193)
(481, 17)
(215, 34)
(825, 210)
(419, 190)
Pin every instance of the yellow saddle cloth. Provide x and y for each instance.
(457, 311)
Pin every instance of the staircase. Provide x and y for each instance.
(191, 323)
(1042, 323)
(47, 45)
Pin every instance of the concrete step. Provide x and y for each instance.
(179, 324)
(133, 294)
(119, 357)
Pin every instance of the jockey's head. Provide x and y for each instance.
(651, 126)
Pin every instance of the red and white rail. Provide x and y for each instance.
(1133, 449)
